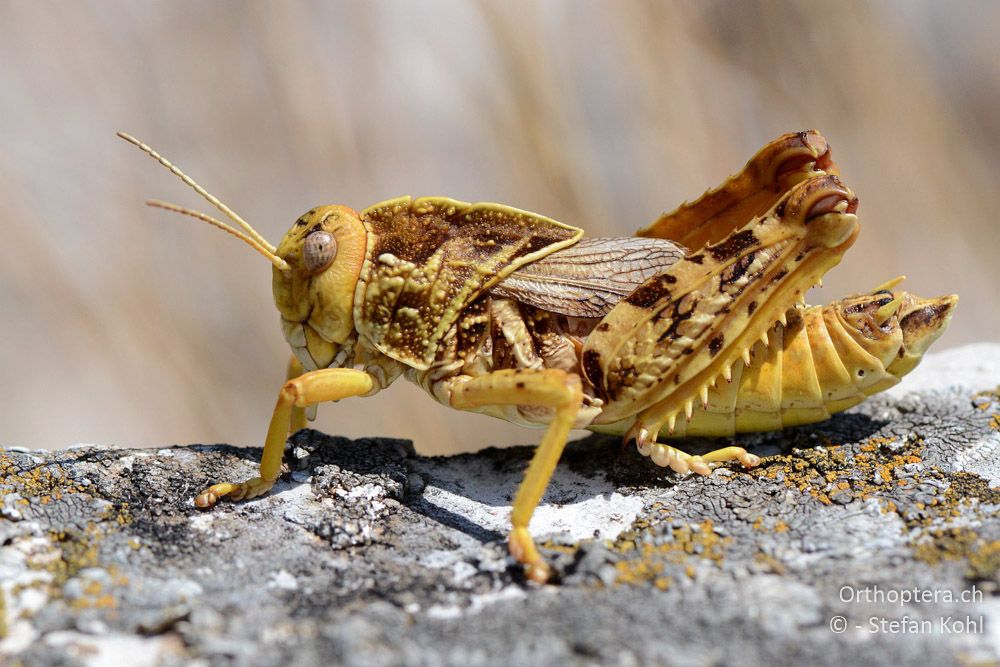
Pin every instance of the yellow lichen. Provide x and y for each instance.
(982, 400)
(830, 469)
(46, 482)
(651, 564)
(3, 615)
(943, 544)
(984, 560)
(94, 597)
(71, 550)
(769, 563)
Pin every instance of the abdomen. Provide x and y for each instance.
(810, 369)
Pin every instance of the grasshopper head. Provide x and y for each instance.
(324, 251)
(896, 327)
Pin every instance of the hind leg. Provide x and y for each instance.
(770, 173)
(667, 456)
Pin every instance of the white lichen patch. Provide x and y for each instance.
(282, 580)
(203, 521)
(114, 649)
(477, 603)
(574, 507)
(982, 458)
(24, 588)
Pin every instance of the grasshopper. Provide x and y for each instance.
(696, 326)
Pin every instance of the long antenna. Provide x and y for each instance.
(274, 259)
(229, 213)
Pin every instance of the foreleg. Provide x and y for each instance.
(328, 384)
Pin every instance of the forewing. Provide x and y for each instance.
(587, 279)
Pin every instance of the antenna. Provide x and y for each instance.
(251, 237)
(274, 259)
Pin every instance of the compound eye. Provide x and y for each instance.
(318, 252)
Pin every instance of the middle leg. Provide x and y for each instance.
(547, 387)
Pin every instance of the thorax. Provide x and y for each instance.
(513, 336)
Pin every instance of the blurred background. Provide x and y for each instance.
(125, 325)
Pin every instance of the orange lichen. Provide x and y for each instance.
(983, 400)
(688, 542)
(71, 550)
(951, 544)
(94, 597)
(45, 483)
(831, 469)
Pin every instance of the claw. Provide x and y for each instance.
(206, 499)
(764, 339)
(242, 491)
(523, 549)
(704, 396)
(689, 410)
(746, 356)
(212, 494)
(539, 572)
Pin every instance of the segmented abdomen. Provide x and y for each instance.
(811, 368)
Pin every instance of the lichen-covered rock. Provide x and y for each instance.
(868, 539)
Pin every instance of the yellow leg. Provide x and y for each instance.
(547, 387)
(681, 462)
(775, 168)
(298, 420)
(732, 454)
(328, 384)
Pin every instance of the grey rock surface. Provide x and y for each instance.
(869, 539)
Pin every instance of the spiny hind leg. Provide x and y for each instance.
(732, 453)
(668, 456)
(552, 388)
(328, 384)
(775, 168)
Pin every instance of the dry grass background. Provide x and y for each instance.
(126, 325)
